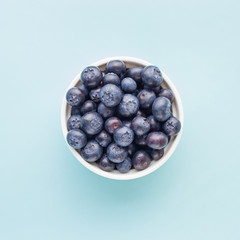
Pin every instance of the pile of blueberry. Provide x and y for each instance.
(121, 118)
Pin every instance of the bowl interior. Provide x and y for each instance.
(177, 112)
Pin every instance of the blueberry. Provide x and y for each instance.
(172, 126)
(157, 140)
(154, 125)
(135, 73)
(132, 148)
(111, 78)
(92, 151)
(92, 123)
(141, 140)
(127, 123)
(105, 164)
(128, 85)
(146, 98)
(103, 138)
(161, 109)
(74, 122)
(116, 154)
(124, 166)
(112, 124)
(76, 138)
(110, 95)
(141, 160)
(84, 89)
(156, 154)
(88, 106)
(75, 96)
(123, 136)
(156, 89)
(166, 93)
(128, 106)
(140, 113)
(104, 111)
(152, 76)
(75, 110)
(91, 77)
(140, 125)
(116, 66)
(95, 94)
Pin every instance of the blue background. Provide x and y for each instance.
(45, 193)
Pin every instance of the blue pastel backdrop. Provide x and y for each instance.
(45, 193)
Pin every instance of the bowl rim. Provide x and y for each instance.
(137, 174)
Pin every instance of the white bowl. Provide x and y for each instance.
(168, 151)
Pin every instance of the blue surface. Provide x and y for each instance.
(46, 194)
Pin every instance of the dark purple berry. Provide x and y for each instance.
(172, 126)
(154, 125)
(105, 164)
(111, 78)
(156, 89)
(140, 125)
(146, 98)
(112, 124)
(135, 74)
(88, 106)
(104, 111)
(166, 93)
(103, 138)
(132, 148)
(141, 160)
(157, 140)
(116, 66)
(156, 154)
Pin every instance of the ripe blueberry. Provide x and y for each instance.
(92, 123)
(76, 138)
(91, 77)
(92, 151)
(157, 140)
(161, 109)
(75, 96)
(152, 76)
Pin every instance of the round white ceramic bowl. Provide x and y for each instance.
(168, 151)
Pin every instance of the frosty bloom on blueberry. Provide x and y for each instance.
(121, 118)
